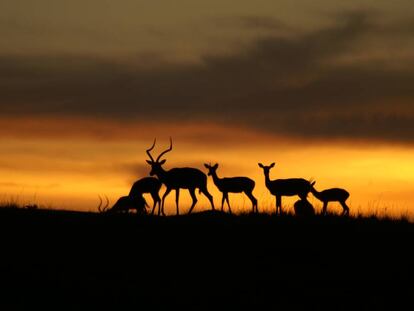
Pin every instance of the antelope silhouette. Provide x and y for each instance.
(303, 208)
(105, 208)
(232, 185)
(149, 185)
(125, 204)
(331, 195)
(285, 187)
(178, 178)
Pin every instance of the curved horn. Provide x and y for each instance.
(164, 152)
(107, 204)
(100, 204)
(148, 150)
(100, 208)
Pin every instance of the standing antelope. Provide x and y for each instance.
(285, 187)
(331, 195)
(179, 178)
(232, 185)
(149, 185)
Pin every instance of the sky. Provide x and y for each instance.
(322, 88)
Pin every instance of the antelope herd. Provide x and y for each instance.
(193, 179)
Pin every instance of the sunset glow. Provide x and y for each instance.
(113, 114)
(325, 92)
(72, 170)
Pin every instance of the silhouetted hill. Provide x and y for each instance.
(203, 261)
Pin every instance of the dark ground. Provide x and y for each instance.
(65, 260)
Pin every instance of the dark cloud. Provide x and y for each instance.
(261, 22)
(134, 169)
(293, 86)
(254, 23)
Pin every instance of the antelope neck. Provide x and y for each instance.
(267, 178)
(216, 179)
(315, 192)
(162, 174)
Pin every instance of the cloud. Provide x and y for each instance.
(264, 24)
(291, 86)
(261, 22)
(26, 185)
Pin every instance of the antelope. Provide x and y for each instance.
(303, 208)
(149, 185)
(331, 195)
(125, 204)
(232, 185)
(105, 208)
(285, 187)
(178, 178)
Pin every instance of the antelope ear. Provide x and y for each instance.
(261, 165)
(313, 183)
(163, 161)
(272, 165)
(206, 165)
(149, 162)
(216, 166)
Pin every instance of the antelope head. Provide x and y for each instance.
(156, 165)
(211, 169)
(266, 168)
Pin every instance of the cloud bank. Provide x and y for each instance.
(350, 80)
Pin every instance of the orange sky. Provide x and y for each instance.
(70, 170)
(323, 88)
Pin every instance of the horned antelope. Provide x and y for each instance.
(105, 208)
(232, 185)
(285, 187)
(125, 204)
(331, 195)
(178, 178)
(149, 185)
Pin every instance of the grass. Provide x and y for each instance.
(376, 212)
(204, 261)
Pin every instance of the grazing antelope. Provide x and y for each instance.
(303, 208)
(331, 195)
(125, 204)
(285, 187)
(178, 178)
(232, 185)
(149, 185)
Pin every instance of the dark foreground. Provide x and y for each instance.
(205, 261)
